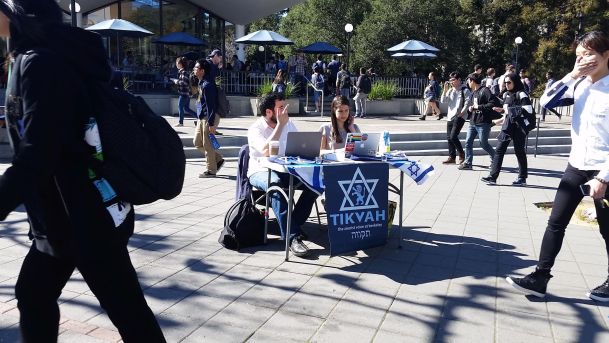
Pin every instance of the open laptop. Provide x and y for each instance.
(303, 144)
(362, 144)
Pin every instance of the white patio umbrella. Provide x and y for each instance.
(264, 37)
(119, 28)
(413, 46)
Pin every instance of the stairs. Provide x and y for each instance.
(551, 141)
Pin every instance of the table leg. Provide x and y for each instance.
(266, 206)
(401, 205)
(289, 224)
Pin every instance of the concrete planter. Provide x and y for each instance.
(294, 108)
(383, 107)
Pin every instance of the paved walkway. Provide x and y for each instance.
(446, 284)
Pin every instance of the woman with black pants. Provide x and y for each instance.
(587, 88)
(515, 103)
(76, 219)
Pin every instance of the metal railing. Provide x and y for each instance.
(248, 83)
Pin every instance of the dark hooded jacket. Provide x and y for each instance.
(47, 110)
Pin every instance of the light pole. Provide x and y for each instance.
(349, 31)
(518, 41)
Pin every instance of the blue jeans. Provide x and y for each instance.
(345, 92)
(183, 102)
(302, 209)
(482, 131)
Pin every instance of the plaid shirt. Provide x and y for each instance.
(300, 66)
(183, 82)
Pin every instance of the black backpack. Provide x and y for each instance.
(143, 155)
(243, 226)
(345, 81)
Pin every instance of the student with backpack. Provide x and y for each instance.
(432, 96)
(364, 86)
(75, 221)
(318, 81)
(515, 126)
(343, 81)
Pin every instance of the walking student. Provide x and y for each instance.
(455, 95)
(364, 86)
(587, 88)
(208, 119)
(75, 222)
(513, 127)
(183, 90)
(480, 121)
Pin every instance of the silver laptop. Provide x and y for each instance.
(363, 144)
(303, 144)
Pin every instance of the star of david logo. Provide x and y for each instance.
(358, 192)
(414, 169)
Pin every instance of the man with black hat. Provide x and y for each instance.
(214, 58)
(480, 121)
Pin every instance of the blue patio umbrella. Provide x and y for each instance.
(413, 46)
(320, 48)
(180, 38)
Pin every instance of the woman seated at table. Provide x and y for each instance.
(334, 134)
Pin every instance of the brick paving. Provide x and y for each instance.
(446, 284)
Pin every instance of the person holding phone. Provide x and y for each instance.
(516, 103)
(342, 122)
(587, 88)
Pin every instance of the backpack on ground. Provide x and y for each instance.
(143, 155)
(243, 226)
(345, 81)
(222, 103)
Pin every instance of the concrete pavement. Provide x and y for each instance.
(461, 238)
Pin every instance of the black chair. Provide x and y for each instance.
(245, 188)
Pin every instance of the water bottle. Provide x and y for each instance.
(214, 141)
(386, 142)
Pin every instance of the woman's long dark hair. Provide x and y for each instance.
(518, 87)
(336, 103)
(28, 19)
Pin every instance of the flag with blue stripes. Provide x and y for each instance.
(419, 172)
(311, 175)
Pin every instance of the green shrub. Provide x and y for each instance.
(383, 90)
(267, 87)
(264, 88)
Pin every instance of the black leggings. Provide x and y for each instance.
(568, 196)
(110, 277)
(519, 139)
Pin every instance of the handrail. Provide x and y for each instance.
(310, 83)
